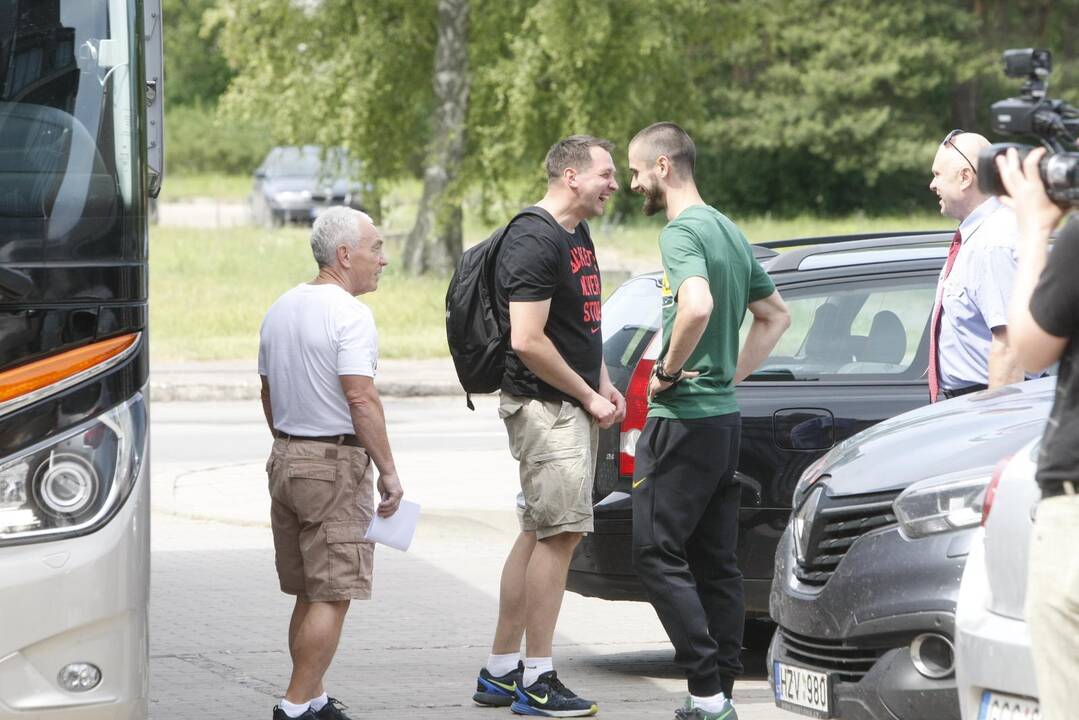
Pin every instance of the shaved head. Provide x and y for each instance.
(666, 138)
(968, 145)
(955, 175)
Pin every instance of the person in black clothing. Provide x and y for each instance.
(1044, 322)
(555, 393)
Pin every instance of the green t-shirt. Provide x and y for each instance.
(703, 242)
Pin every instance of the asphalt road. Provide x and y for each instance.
(218, 621)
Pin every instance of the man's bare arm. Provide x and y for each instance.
(770, 320)
(694, 310)
(267, 409)
(528, 321)
(369, 424)
(1035, 349)
(1003, 364)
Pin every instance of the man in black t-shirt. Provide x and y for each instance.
(1044, 326)
(555, 393)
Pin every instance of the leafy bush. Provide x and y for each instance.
(197, 140)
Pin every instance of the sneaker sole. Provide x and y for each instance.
(521, 709)
(492, 699)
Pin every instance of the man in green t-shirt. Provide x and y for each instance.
(685, 496)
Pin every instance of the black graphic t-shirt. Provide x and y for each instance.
(1055, 307)
(539, 260)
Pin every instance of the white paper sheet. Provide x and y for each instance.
(397, 530)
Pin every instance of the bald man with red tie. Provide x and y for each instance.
(968, 342)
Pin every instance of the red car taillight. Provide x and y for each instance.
(636, 408)
(991, 488)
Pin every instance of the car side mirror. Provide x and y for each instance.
(260, 174)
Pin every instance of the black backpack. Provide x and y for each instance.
(477, 341)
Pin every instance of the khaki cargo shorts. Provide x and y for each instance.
(555, 444)
(321, 502)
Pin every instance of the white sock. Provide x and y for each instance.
(534, 667)
(710, 704)
(499, 665)
(319, 702)
(291, 710)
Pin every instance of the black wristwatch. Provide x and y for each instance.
(661, 373)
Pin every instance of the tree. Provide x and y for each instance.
(196, 72)
(435, 241)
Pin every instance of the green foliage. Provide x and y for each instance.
(198, 140)
(795, 105)
(195, 69)
(335, 73)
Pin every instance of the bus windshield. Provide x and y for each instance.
(68, 133)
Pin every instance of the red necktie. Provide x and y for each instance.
(934, 323)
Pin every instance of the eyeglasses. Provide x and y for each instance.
(948, 141)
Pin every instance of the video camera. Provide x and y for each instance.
(1054, 123)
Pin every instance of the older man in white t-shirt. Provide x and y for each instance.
(318, 351)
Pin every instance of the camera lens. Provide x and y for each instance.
(989, 181)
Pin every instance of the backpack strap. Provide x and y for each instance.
(491, 261)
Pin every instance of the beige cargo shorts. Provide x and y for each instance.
(321, 502)
(555, 443)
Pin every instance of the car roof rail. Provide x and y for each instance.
(763, 252)
(831, 239)
(849, 245)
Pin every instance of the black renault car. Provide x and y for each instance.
(868, 571)
(854, 355)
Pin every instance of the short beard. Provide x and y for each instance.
(653, 201)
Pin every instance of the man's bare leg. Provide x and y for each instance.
(313, 635)
(511, 596)
(545, 583)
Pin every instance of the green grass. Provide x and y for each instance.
(210, 288)
(177, 188)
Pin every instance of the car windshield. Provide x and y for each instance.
(310, 161)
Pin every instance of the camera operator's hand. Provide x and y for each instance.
(1036, 213)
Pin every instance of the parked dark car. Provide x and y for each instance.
(868, 572)
(854, 355)
(294, 184)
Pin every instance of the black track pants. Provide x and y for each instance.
(685, 530)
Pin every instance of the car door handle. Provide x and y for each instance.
(15, 284)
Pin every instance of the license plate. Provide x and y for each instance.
(1000, 706)
(800, 689)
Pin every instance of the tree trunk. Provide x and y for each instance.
(434, 244)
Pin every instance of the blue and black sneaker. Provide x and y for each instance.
(548, 697)
(497, 691)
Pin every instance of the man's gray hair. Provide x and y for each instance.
(336, 227)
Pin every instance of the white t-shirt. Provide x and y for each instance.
(309, 337)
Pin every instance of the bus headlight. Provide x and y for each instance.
(72, 483)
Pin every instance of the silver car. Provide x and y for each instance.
(994, 670)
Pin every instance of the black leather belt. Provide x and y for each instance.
(350, 440)
(962, 391)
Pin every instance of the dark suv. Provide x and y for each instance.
(867, 573)
(855, 354)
